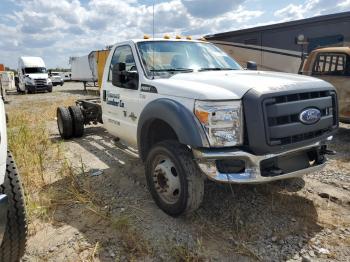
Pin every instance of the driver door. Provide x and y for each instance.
(121, 103)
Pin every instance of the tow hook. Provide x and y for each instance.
(325, 151)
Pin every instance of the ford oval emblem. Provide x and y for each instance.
(310, 116)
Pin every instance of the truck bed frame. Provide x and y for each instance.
(91, 109)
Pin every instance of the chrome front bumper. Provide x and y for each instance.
(206, 160)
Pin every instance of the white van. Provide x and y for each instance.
(33, 76)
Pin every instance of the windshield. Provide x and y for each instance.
(169, 57)
(35, 70)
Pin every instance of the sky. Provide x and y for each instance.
(58, 29)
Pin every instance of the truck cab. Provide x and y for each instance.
(192, 112)
(33, 76)
(332, 64)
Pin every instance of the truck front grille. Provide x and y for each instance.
(40, 82)
(282, 116)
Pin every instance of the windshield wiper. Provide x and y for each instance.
(173, 70)
(214, 68)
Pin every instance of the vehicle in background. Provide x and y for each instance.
(13, 223)
(332, 64)
(66, 76)
(279, 47)
(56, 78)
(33, 76)
(7, 79)
(89, 68)
(192, 112)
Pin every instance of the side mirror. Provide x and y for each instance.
(118, 74)
(251, 65)
(123, 78)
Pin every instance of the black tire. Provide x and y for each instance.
(15, 237)
(191, 182)
(49, 89)
(78, 120)
(64, 122)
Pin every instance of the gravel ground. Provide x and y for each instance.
(307, 220)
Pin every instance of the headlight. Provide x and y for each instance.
(222, 122)
(49, 81)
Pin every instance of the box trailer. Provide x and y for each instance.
(7, 79)
(89, 68)
(280, 47)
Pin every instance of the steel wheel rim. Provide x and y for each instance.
(166, 180)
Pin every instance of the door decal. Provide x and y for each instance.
(113, 99)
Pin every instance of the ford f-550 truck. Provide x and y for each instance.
(193, 112)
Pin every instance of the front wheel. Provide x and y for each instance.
(14, 240)
(173, 178)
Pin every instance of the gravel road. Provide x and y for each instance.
(304, 220)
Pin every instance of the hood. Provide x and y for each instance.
(218, 85)
(56, 77)
(38, 76)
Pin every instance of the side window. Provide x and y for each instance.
(330, 64)
(122, 54)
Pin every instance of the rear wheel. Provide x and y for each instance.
(173, 178)
(64, 122)
(14, 241)
(78, 121)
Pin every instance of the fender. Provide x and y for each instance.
(186, 126)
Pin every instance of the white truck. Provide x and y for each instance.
(33, 76)
(56, 78)
(192, 113)
(13, 223)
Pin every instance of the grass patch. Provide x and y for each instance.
(184, 253)
(132, 241)
(52, 185)
(37, 156)
(32, 148)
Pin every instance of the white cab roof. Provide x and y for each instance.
(31, 61)
(156, 40)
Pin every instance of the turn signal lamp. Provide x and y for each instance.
(178, 37)
(146, 37)
(166, 37)
(189, 37)
(202, 116)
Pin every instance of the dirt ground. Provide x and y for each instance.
(110, 215)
